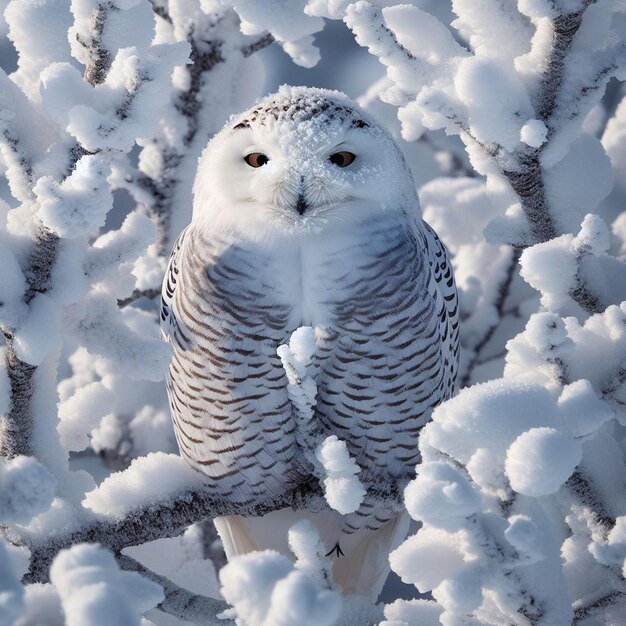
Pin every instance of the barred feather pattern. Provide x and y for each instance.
(383, 301)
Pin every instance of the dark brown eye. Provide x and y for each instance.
(256, 159)
(342, 159)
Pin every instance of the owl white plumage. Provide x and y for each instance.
(305, 214)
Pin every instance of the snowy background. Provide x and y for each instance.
(512, 116)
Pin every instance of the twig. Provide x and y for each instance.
(137, 295)
(503, 294)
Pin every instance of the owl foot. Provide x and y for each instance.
(337, 550)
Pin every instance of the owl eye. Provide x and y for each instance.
(256, 159)
(342, 159)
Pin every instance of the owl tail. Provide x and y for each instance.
(364, 566)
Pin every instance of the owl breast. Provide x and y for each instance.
(379, 366)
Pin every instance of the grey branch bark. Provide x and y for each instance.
(178, 601)
(160, 521)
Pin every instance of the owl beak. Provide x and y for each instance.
(301, 204)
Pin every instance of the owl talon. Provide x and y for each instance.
(337, 550)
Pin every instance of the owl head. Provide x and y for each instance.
(302, 160)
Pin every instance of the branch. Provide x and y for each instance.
(586, 495)
(168, 519)
(503, 294)
(565, 28)
(99, 57)
(137, 295)
(583, 612)
(178, 601)
(262, 42)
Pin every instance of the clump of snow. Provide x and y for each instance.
(462, 592)
(551, 268)
(11, 591)
(540, 460)
(100, 326)
(594, 236)
(310, 552)
(287, 21)
(440, 493)
(79, 204)
(441, 550)
(584, 411)
(153, 478)
(39, 333)
(412, 613)
(265, 589)
(534, 133)
(523, 534)
(496, 100)
(12, 288)
(295, 357)
(94, 591)
(342, 489)
(81, 413)
(26, 489)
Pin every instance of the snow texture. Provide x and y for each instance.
(26, 489)
(149, 479)
(94, 591)
(342, 489)
(266, 589)
(329, 456)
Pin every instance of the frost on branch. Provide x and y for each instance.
(328, 455)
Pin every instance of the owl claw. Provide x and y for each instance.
(337, 550)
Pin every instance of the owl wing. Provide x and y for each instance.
(169, 323)
(447, 305)
(390, 357)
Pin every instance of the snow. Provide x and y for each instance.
(295, 357)
(103, 331)
(82, 412)
(412, 613)
(286, 21)
(534, 133)
(26, 489)
(78, 205)
(11, 592)
(540, 460)
(439, 493)
(523, 534)
(440, 550)
(265, 589)
(39, 333)
(495, 99)
(584, 411)
(149, 479)
(93, 590)
(342, 489)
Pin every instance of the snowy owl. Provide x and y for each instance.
(305, 214)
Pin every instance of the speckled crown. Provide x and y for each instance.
(299, 104)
